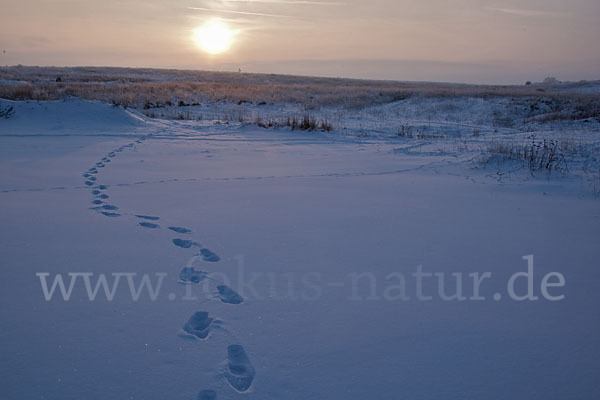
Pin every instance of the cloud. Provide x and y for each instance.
(229, 6)
(526, 13)
(240, 12)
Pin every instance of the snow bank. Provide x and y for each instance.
(71, 116)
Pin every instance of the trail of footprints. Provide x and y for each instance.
(239, 372)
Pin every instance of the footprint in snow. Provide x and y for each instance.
(207, 395)
(149, 225)
(228, 295)
(240, 372)
(209, 256)
(148, 217)
(199, 325)
(179, 229)
(191, 275)
(185, 244)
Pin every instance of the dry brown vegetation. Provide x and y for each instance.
(151, 88)
(538, 155)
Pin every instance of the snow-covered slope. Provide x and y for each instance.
(69, 116)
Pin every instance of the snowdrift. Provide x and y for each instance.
(71, 116)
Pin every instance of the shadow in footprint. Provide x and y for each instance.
(179, 229)
(209, 256)
(228, 295)
(110, 207)
(149, 225)
(207, 395)
(97, 202)
(185, 244)
(110, 214)
(190, 275)
(240, 372)
(148, 217)
(199, 325)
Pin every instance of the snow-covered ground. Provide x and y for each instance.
(306, 249)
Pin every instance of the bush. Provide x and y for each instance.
(6, 111)
(537, 155)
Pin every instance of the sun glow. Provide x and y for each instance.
(214, 37)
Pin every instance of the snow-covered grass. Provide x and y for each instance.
(538, 155)
(496, 121)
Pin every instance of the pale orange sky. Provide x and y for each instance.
(475, 41)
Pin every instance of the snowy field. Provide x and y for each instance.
(211, 257)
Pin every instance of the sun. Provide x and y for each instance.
(214, 37)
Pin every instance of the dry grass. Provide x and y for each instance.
(409, 132)
(538, 155)
(151, 88)
(6, 112)
(304, 123)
